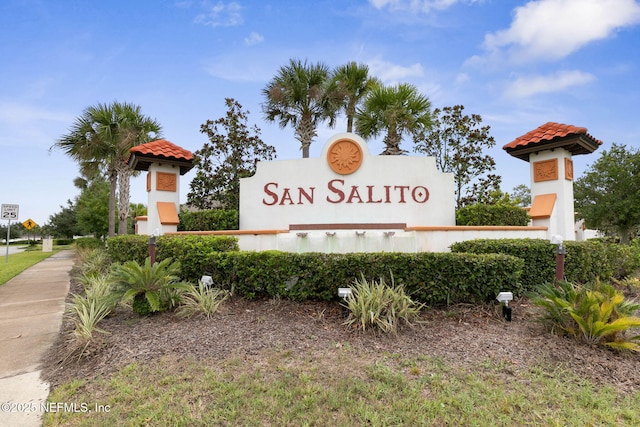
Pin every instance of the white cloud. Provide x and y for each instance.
(30, 126)
(527, 86)
(237, 66)
(553, 29)
(220, 15)
(423, 6)
(19, 114)
(462, 78)
(253, 39)
(392, 73)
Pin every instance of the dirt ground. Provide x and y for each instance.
(461, 335)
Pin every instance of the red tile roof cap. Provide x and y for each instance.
(161, 148)
(551, 136)
(548, 132)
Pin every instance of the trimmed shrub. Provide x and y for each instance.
(190, 250)
(89, 243)
(208, 220)
(481, 214)
(63, 242)
(128, 247)
(584, 261)
(625, 258)
(432, 278)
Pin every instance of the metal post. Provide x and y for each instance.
(152, 249)
(560, 262)
(8, 235)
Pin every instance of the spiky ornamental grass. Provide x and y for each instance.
(88, 309)
(201, 299)
(374, 304)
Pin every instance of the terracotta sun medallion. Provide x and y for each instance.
(344, 156)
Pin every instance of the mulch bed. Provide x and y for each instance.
(462, 335)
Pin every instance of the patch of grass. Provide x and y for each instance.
(19, 262)
(341, 389)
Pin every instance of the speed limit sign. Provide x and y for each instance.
(10, 212)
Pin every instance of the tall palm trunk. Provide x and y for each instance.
(392, 143)
(113, 185)
(305, 133)
(124, 186)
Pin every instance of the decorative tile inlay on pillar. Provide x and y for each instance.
(568, 169)
(148, 181)
(545, 170)
(166, 181)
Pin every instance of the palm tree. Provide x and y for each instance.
(100, 139)
(352, 83)
(398, 110)
(297, 96)
(134, 128)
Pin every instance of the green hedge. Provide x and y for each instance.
(63, 242)
(481, 214)
(584, 261)
(208, 220)
(433, 278)
(89, 243)
(190, 250)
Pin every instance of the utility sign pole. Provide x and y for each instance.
(9, 212)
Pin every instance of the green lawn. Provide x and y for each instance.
(337, 389)
(19, 262)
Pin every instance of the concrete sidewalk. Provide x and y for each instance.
(31, 309)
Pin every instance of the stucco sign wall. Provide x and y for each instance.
(347, 185)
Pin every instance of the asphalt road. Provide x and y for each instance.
(13, 249)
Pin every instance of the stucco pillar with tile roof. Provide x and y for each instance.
(164, 162)
(549, 150)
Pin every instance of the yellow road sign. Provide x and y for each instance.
(29, 224)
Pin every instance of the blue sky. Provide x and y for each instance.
(519, 64)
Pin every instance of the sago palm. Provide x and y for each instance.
(157, 283)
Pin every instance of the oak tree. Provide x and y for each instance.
(607, 196)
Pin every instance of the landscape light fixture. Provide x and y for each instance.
(504, 298)
(561, 251)
(207, 281)
(152, 249)
(344, 293)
